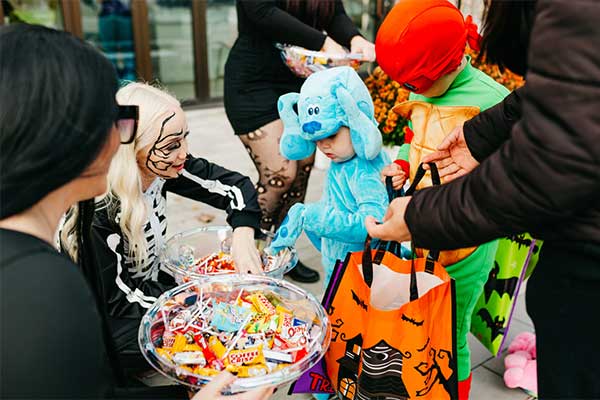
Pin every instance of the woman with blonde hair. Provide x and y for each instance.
(57, 144)
(129, 222)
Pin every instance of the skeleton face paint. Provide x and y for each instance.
(166, 157)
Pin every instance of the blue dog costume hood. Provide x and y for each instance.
(353, 189)
(327, 101)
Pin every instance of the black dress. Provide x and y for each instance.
(255, 74)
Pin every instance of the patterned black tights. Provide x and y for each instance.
(281, 183)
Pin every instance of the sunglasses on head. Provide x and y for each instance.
(127, 122)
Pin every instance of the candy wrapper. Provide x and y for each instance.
(206, 251)
(303, 62)
(245, 324)
(229, 317)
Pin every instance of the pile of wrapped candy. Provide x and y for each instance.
(217, 263)
(252, 334)
(303, 62)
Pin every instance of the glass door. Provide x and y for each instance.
(172, 46)
(39, 12)
(108, 25)
(221, 32)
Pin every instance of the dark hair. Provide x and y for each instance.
(318, 12)
(57, 104)
(506, 29)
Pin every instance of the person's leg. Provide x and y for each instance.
(562, 298)
(297, 191)
(296, 194)
(470, 275)
(279, 184)
(275, 173)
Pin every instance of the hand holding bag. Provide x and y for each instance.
(393, 327)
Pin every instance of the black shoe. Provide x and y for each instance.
(304, 274)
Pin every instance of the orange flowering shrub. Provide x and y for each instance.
(507, 78)
(386, 93)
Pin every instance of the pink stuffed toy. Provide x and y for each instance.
(521, 364)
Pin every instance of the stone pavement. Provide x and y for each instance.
(211, 137)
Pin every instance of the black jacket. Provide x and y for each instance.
(51, 330)
(543, 175)
(127, 293)
(487, 131)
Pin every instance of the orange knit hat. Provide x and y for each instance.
(422, 40)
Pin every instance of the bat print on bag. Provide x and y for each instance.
(412, 321)
(495, 324)
(359, 301)
(501, 286)
(523, 240)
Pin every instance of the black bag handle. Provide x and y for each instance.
(392, 193)
(383, 246)
(367, 267)
(394, 247)
(435, 178)
(367, 262)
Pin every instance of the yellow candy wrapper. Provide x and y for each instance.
(252, 355)
(179, 344)
(205, 371)
(282, 310)
(216, 347)
(285, 322)
(166, 354)
(262, 304)
(191, 347)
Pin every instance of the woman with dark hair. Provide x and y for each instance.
(531, 163)
(255, 77)
(60, 126)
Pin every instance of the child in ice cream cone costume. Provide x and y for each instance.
(430, 125)
(421, 44)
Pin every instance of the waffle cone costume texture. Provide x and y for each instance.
(430, 125)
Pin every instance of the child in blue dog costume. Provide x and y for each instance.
(335, 114)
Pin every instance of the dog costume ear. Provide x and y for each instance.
(292, 145)
(364, 132)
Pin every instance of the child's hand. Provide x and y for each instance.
(290, 229)
(243, 251)
(397, 174)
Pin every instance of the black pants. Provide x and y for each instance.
(563, 300)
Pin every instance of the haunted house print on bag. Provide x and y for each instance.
(386, 348)
(381, 375)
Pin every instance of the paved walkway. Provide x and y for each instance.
(211, 137)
